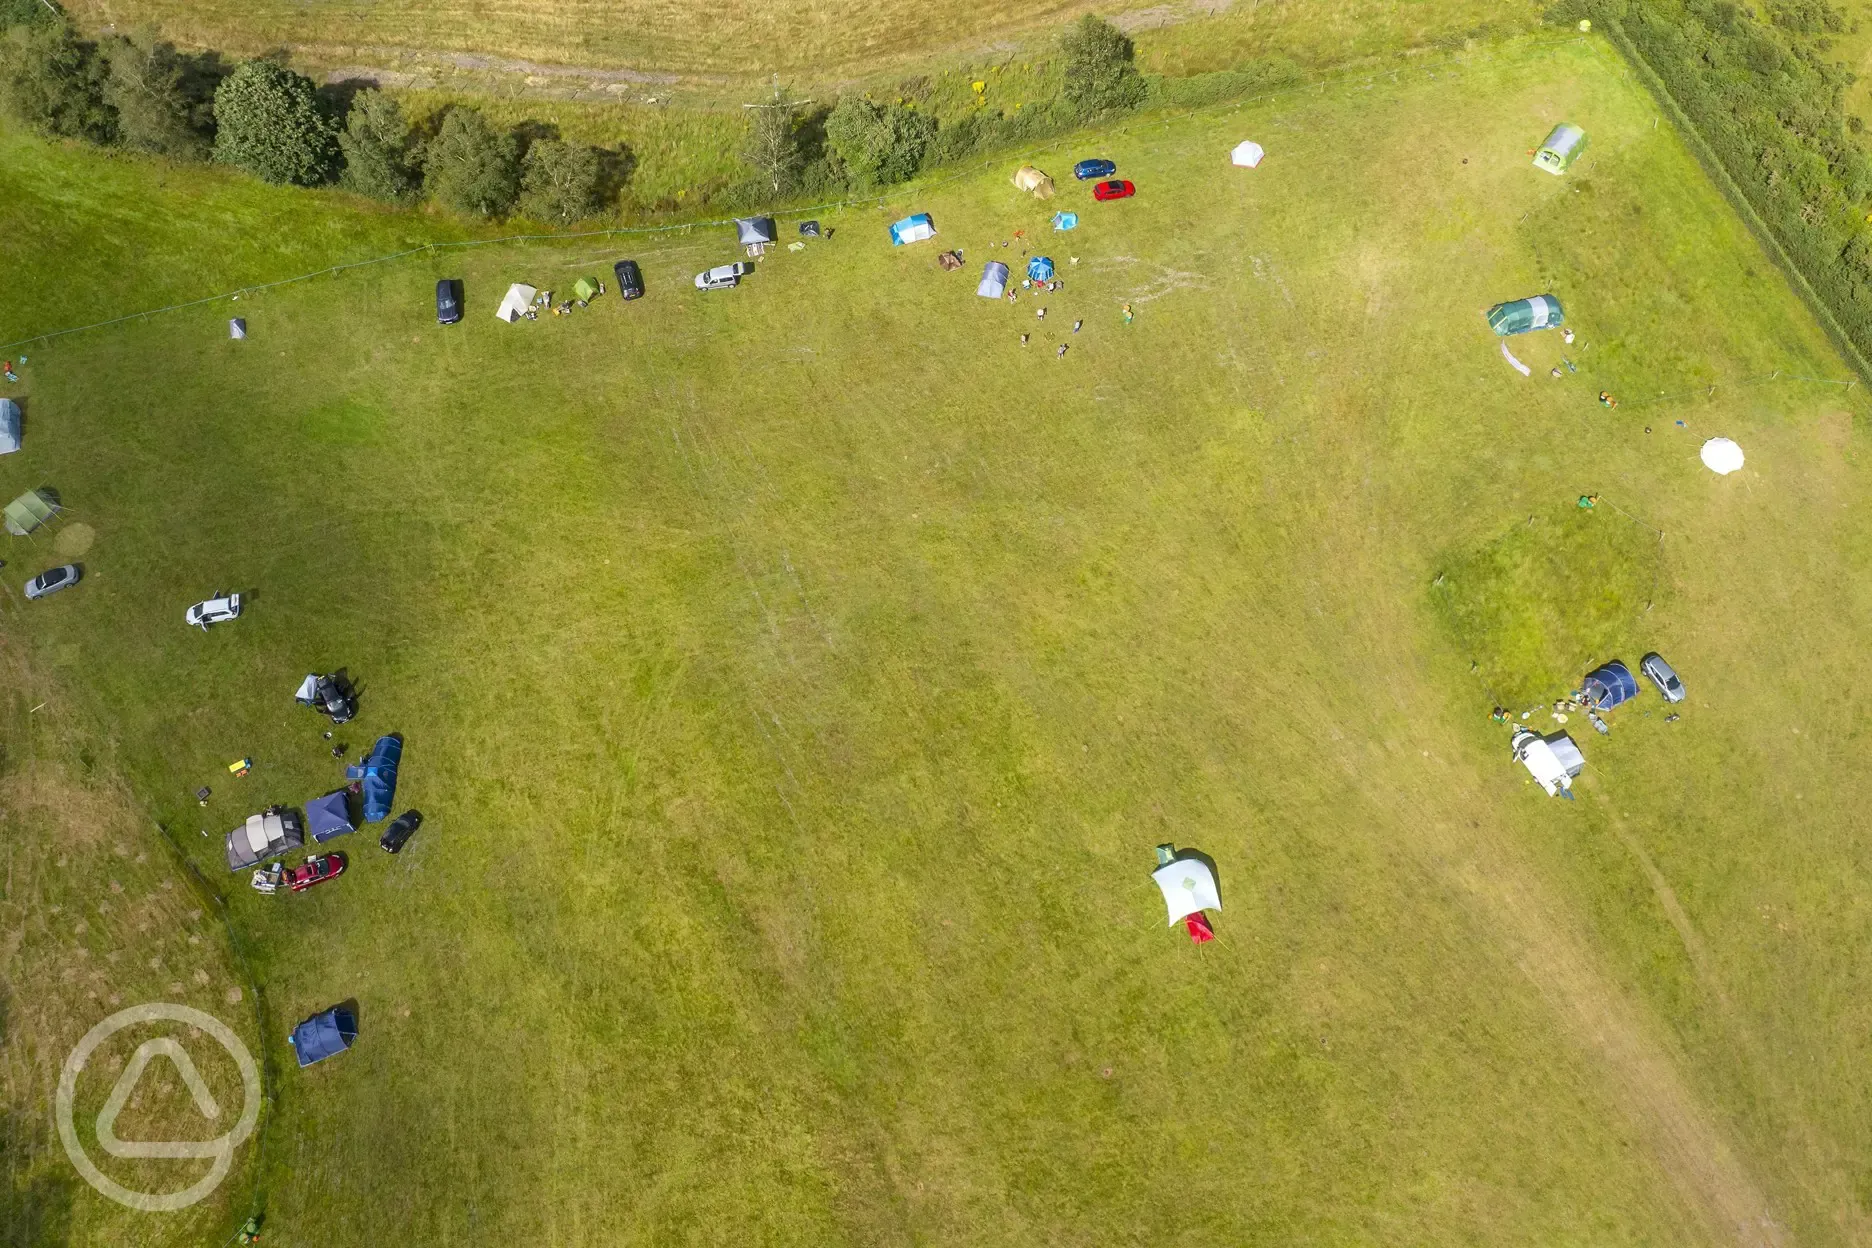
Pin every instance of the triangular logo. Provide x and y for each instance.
(162, 1046)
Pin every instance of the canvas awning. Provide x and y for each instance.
(755, 230)
(1247, 154)
(1189, 886)
(519, 298)
(993, 280)
(9, 426)
(28, 512)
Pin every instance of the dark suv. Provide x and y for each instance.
(400, 830)
(629, 278)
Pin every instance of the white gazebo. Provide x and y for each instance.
(1188, 886)
(1721, 456)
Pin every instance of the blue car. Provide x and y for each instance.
(1086, 170)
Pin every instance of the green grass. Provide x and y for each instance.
(796, 680)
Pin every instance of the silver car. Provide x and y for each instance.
(1663, 675)
(215, 610)
(52, 580)
(723, 276)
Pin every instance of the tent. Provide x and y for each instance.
(585, 288)
(1040, 269)
(265, 835)
(1523, 315)
(755, 231)
(1247, 154)
(948, 261)
(378, 772)
(29, 511)
(1561, 148)
(324, 1035)
(9, 426)
(912, 229)
(1721, 456)
(1552, 761)
(237, 328)
(1065, 220)
(994, 280)
(514, 306)
(328, 816)
(1188, 885)
(1028, 178)
(1610, 685)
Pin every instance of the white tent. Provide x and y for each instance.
(519, 299)
(9, 426)
(1247, 154)
(1553, 762)
(237, 328)
(1721, 456)
(1188, 886)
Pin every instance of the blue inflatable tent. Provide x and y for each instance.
(1040, 269)
(378, 772)
(323, 1035)
(328, 816)
(1609, 686)
(912, 229)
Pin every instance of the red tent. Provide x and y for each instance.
(1199, 928)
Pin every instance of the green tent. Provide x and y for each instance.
(28, 512)
(1540, 312)
(1561, 149)
(585, 289)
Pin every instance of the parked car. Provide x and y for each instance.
(400, 830)
(216, 610)
(1663, 675)
(329, 695)
(723, 276)
(448, 301)
(1117, 188)
(315, 871)
(52, 580)
(1086, 170)
(629, 279)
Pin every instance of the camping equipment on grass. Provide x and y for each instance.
(948, 261)
(268, 879)
(241, 766)
(1608, 686)
(328, 816)
(1721, 456)
(1065, 220)
(809, 229)
(237, 328)
(1188, 885)
(912, 229)
(266, 835)
(1521, 316)
(1519, 367)
(323, 1035)
(585, 288)
(1552, 761)
(378, 772)
(9, 426)
(1247, 154)
(1561, 148)
(993, 280)
(519, 298)
(1028, 178)
(755, 231)
(29, 511)
(1040, 269)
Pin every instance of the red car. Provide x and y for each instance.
(1117, 188)
(315, 871)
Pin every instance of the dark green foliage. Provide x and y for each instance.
(775, 148)
(53, 81)
(471, 167)
(879, 144)
(268, 122)
(561, 182)
(149, 87)
(1100, 77)
(379, 149)
(27, 13)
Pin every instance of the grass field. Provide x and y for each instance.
(797, 678)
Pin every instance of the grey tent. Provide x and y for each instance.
(266, 835)
(29, 511)
(755, 230)
(237, 328)
(9, 426)
(993, 280)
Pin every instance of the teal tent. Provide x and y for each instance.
(1523, 315)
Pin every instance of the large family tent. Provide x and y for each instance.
(1561, 149)
(324, 1035)
(263, 836)
(329, 816)
(755, 231)
(912, 229)
(994, 280)
(1524, 315)
(1721, 456)
(519, 298)
(1247, 154)
(29, 511)
(1028, 178)
(9, 426)
(1610, 685)
(1040, 269)
(1552, 761)
(1188, 885)
(378, 772)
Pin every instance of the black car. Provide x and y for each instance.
(448, 301)
(400, 830)
(331, 696)
(629, 278)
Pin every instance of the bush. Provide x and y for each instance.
(878, 145)
(1100, 77)
(561, 182)
(379, 149)
(268, 122)
(148, 87)
(53, 81)
(470, 167)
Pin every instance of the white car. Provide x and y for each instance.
(723, 276)
(216, 610)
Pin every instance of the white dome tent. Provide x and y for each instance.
(1247, 154)
(1721, 456)
(1188, 885)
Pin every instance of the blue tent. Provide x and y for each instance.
(994, 280)
(378, 772)
(912, 229)
(1609, 686)
(1040, 269)
(323, 1035)
(328, 816)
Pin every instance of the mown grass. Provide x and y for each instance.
(797, 678)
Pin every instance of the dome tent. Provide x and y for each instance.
(1189, 886)
(1028, 178)
(1247, 154)
(324, 1035)
(1721, 456)
(1608, 686)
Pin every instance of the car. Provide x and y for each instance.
(629, 279)
(216, 610)
(448, 301)
(400, 830)
(1117, 188)
(52, 580)
(723, 276)
(1086, 170)
(331, 696)
(1663, 675)
(315, 871)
